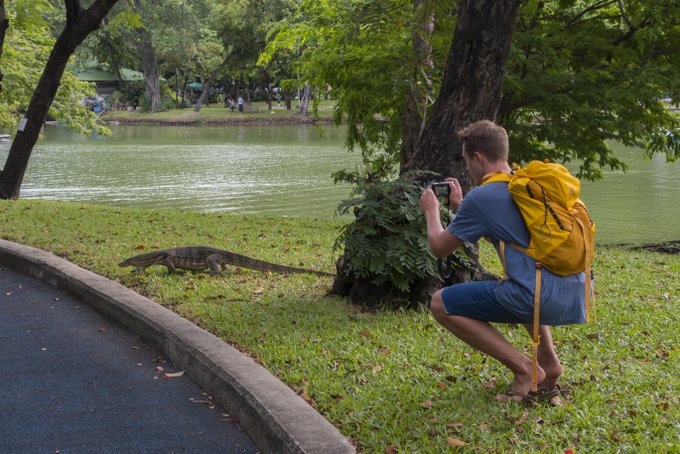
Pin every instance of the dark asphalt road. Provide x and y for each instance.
(72, 381)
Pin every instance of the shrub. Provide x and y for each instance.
(387, 242)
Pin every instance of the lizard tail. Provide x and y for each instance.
(261, 265)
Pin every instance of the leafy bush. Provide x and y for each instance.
(132, 92)
(387, 242)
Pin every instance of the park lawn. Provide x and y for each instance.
(394, 379)
(256, 113)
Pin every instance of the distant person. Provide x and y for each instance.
(231, 104)
(240, 104)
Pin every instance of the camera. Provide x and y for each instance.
(441, 189)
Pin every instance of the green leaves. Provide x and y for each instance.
(387, 242)
(27, 47)
(582, 74)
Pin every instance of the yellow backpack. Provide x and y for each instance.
(561, 231)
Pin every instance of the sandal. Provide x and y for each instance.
(512, 396)
(542, 395)
(556, 391)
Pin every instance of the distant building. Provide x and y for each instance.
(106, 82)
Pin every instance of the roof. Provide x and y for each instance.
(98, 75)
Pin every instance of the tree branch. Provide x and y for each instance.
(591, 8)
(73, 10)
(623, 15)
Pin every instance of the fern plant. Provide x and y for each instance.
(387, 242)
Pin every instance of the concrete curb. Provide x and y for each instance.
(277, 419)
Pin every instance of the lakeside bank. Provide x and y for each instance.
(256, 115)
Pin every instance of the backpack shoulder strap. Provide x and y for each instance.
(496, 177)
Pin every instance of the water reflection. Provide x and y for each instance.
(286, 170)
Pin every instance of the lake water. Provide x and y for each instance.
(286, 170)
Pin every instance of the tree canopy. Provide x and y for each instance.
(580, 74)
(27, 46)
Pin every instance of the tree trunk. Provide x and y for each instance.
(267, 87)
(470, 91)
(79, 24)
(4, 25)
(207, 84)
(415, 111)
(184, 90)
(304, 102)
(288, 96)
(151, 72)
(471, 88)
(149, 65)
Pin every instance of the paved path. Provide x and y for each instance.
(73, 381)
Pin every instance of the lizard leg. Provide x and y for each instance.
(213, 261)
(168, 263)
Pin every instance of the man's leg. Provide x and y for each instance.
(547, 357)
(484, 337)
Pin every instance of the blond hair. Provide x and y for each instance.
(487, 137)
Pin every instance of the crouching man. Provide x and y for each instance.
(468, 309)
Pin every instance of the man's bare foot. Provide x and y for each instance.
(521, 385)
(552, 373)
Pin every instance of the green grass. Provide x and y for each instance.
(395, 378)
(257, 113)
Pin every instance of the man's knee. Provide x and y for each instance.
(437, 306)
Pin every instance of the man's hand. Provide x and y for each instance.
(429, 202)
(455, 193)
(441, 241)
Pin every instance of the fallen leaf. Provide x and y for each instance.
(139, 247)
(173, 374)
(441, 385)
(455, 443)
(433, 432)
(556, 401)
(454, 425)
(522, 419)
(364, 333)
(662, 355)
(258, 291)
(613, 436)
(427, 404)
(209, 403)
(391, 449)
(377, 368)
(490, 384)
(485, 427)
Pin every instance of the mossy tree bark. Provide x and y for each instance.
(471, 89)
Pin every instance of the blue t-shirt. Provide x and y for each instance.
(489, 211)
